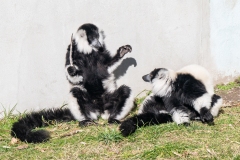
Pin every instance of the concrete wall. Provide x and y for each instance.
(167, 33)
(225, 38)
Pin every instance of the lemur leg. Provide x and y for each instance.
(82, 107)
(179, 112)
(202, 106)
(152, 112)
(216, 104)
(118, 104)
(180, 115)
(142, 106)
(117, 58)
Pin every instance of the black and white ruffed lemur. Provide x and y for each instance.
(93, 90)
(181, 96)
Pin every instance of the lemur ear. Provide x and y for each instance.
(103, 34)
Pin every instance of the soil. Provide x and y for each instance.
(230, 97)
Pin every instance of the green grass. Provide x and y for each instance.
(228, 86)
(166, 141)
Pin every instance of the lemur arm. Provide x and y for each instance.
(115, 60)
(73, 72)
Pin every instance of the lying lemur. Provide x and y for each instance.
(93, 90)
(181, 96)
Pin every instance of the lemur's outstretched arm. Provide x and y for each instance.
(115, 60)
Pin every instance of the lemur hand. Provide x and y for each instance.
(123, 50)
(72, 71)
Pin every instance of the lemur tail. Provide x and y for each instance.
(23, 129)
(130, 125)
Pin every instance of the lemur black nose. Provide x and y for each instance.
(146, 78)
(96, 44)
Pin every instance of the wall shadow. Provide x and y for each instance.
(123, 67)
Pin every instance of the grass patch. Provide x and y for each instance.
(166, 141)
(228, 86)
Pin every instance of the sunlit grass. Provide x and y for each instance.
(168, 141)
(228, 86)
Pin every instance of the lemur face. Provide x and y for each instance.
(157, 74)
(161, 80)
(88, 38)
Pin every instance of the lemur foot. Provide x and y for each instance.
(123, 50)
(206, 116)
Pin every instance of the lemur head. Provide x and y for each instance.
(161, 80)
(88, 38)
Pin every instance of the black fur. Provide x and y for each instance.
(175, 104)
(92, 97)
(153, 112)
(130, 125)
(24, 127)
(93, 68)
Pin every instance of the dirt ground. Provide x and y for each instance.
(231, 97)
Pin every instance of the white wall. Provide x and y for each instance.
(167, 33)
(225, 38)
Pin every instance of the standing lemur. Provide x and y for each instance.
(93, 90)
(181, 96)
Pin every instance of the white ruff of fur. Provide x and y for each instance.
(143, 103)
(109, 84)
(127, 107)
(75, 108)
(163, 87)
(203, 101)
(201, 74)
(179, 116)
(82, 43)
(74, 79)
(216, 107)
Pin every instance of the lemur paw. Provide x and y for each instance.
(124, 49)
(72, 71)
(206, 116)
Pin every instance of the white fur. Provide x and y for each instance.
(109, 84)
(82, 43)
(74, 108)
(149, 97)
(127, 107)
(94, 115)
(74, 79)
(200, 73)
(216, 107)
(162, 87)
(164, 111)
(180, 117)
(114, 66)
(203, 101)
(105, 115)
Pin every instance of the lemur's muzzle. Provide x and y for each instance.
(146, 78)
(96, 44)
